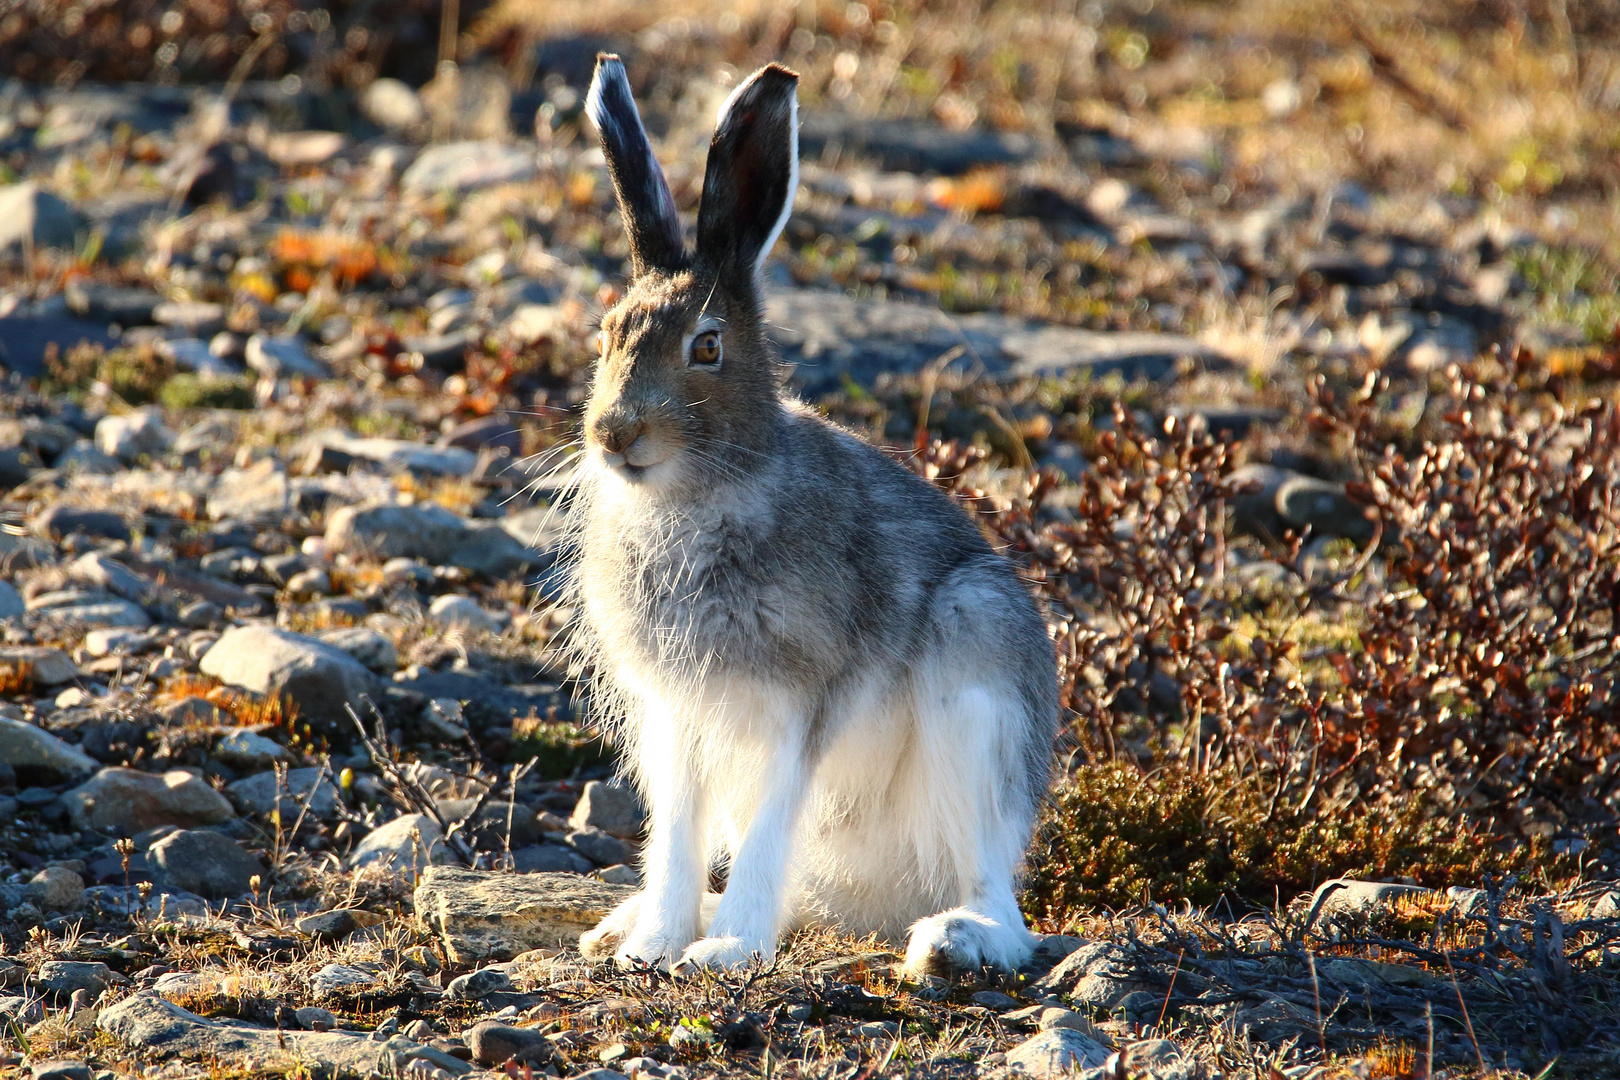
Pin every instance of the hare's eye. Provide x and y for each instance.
(705, 350)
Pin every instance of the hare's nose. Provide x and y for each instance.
(616, 434)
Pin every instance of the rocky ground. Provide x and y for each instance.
(290, 780)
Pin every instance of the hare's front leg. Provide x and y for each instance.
(668, 910)
(749, 916)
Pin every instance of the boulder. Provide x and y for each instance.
(246, 748)
(45, 666)
(366, 645)
(65, 976)
(455, 612)
(136, 801)
(387, 531)
(147, 1021)
(263, 793)
(1342, 896)
(613, 808)
(206, 863)
(483, 916)
(24, 746)
(1056, 1052)
(406, 844)
(64, 519)
(320, 679)
(133, 435)
(55, 888)
(494, 1044)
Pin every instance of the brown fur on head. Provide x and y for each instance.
(686, 390)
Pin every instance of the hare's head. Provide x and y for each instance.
(686, 387)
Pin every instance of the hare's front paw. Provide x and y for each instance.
(723, 953)
(654, 949)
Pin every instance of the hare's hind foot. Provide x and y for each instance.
(964, 939)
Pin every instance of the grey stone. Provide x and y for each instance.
(995, 1000)
(318, 677)
(1475, 902)
(1342, 896)
(83, 457)
(428, 532)
(86, 611)
(147, 1021)
(400, 455)
(124, 305)
(117, 641)
(477, 985)
(47, 666)
(262, 793)
(61, 1070)
(494, 1043)
(65, 976)
(366, 645)
(257, 492)
(55, 888)
(63, 519)
(829, 336)
(406, 844)
(25, 339)
(599, 847)
(1304, 501)
(315, 1018)
(17, 464)
(108, 573)
(281, 357)
(549, 859)
(201, 317)
(1149, 1056)
(11, 601)
(246, 748)
(1057, 1052)
(620, 874)
(912, 146)
(206, 863)
(22, 745)
(21, 1010)
(392, 104)
(341, 979)
(136, 801)
(613, 808)
(462, 613)
(482, 916)
(1606, 906)
(29, 213)
(133, 435)
(468, 165)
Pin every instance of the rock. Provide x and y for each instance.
(495, 431)
(392, 104)
(17, 464)
(478, 985)
(995, 1000)
(320, 679)
(910, 145)
(1476, 902)
(262, 793)
(1341, 896)
(116, 641)
(200, 317)
(29, 214)
(466, 166)
(442, 352)
(620, 874)
(147, 1021)
(366, 645)
(341, 979)
(387, 531)
(83, 457)
(46, 666)
(96, 569)
(304, 148)
(335, 925)
(24, 746)
(309, 583)
(260, 491)
(1606, 906)
(1099, 975)
(400, 455)
(462, 613)
(1304, 501)
(55, 888)
(82, 610)
(124, 305)
(878, 1029)
(1051, 1017)
(65, 976)
(133, 435)
(194, 711)
(613, 808)
(315, 1018)
(406, 844)
(248, 749)
(206, 863)
(61, 1070)
(21, 1011)
(483, 916)
(136, 801)
(282, 357)
(11, 601)
(1059, 1052)
(64, 519)
(494, 1044)
(550, 859)
(1149, 1056)
(599, 847)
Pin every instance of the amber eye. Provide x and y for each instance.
(705, 351)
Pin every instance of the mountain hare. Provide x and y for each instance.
(820, 672)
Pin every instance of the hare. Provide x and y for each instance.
(821, 674)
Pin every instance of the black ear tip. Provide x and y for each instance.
(776, 71)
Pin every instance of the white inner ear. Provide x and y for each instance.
(792, 185)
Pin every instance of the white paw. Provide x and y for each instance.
(602, 942)
(723, 953)
(651, 949)
(964, 940)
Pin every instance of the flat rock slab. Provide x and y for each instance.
(829, 337)
(149, 1022)
(485, 916)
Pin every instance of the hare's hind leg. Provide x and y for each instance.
(984, 748)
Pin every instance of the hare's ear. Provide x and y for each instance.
(648, 209)
(752, 173)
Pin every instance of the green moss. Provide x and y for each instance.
(1116, 836)
(562, 748)
(193, 392)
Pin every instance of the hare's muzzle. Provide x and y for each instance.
(615, 434)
